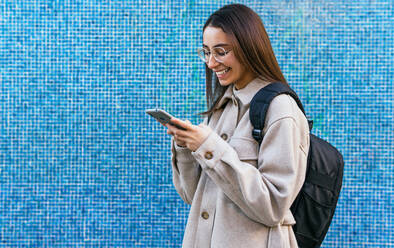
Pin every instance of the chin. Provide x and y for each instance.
(224, 82)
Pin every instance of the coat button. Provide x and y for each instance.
(208, 155)
(224, 136)
(205, 215)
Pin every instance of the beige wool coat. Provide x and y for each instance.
(240, 193)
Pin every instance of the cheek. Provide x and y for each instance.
(236, 70)
(241, 69)
(234, 64)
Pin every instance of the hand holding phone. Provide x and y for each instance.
(162, 116)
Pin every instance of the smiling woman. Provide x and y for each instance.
(240, 192)
(244, 32)
(227, 67)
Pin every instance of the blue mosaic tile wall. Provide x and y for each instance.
(82, 165)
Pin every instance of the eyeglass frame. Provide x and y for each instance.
(211, 53)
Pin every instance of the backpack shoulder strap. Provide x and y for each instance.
(260, 103)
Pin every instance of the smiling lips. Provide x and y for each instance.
(220, 74)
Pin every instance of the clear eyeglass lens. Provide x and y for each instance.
(218, 54)
(203, 54)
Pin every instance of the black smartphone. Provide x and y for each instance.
(162, 117)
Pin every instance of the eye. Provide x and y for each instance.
(220, 51)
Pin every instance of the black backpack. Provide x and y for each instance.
(314, 207)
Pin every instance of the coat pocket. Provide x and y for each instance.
(246, 149)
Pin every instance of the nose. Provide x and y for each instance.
(212, 62)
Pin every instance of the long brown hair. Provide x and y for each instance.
(251, 46)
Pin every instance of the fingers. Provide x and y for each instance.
(180, 133)
(176, 132)
(170, 129)
(185, 124)
(179, 138)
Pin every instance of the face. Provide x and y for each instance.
(230, 70)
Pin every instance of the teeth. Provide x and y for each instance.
(222, 72)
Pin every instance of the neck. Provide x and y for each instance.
(242, 84)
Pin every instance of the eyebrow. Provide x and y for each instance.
(217, 45)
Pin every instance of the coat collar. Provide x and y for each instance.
(245, 94)
(227, 95)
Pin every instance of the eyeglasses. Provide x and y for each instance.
(219, 53)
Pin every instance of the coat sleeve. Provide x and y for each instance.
(186, 171)
(264, 192)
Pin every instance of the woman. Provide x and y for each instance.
(240, 193)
